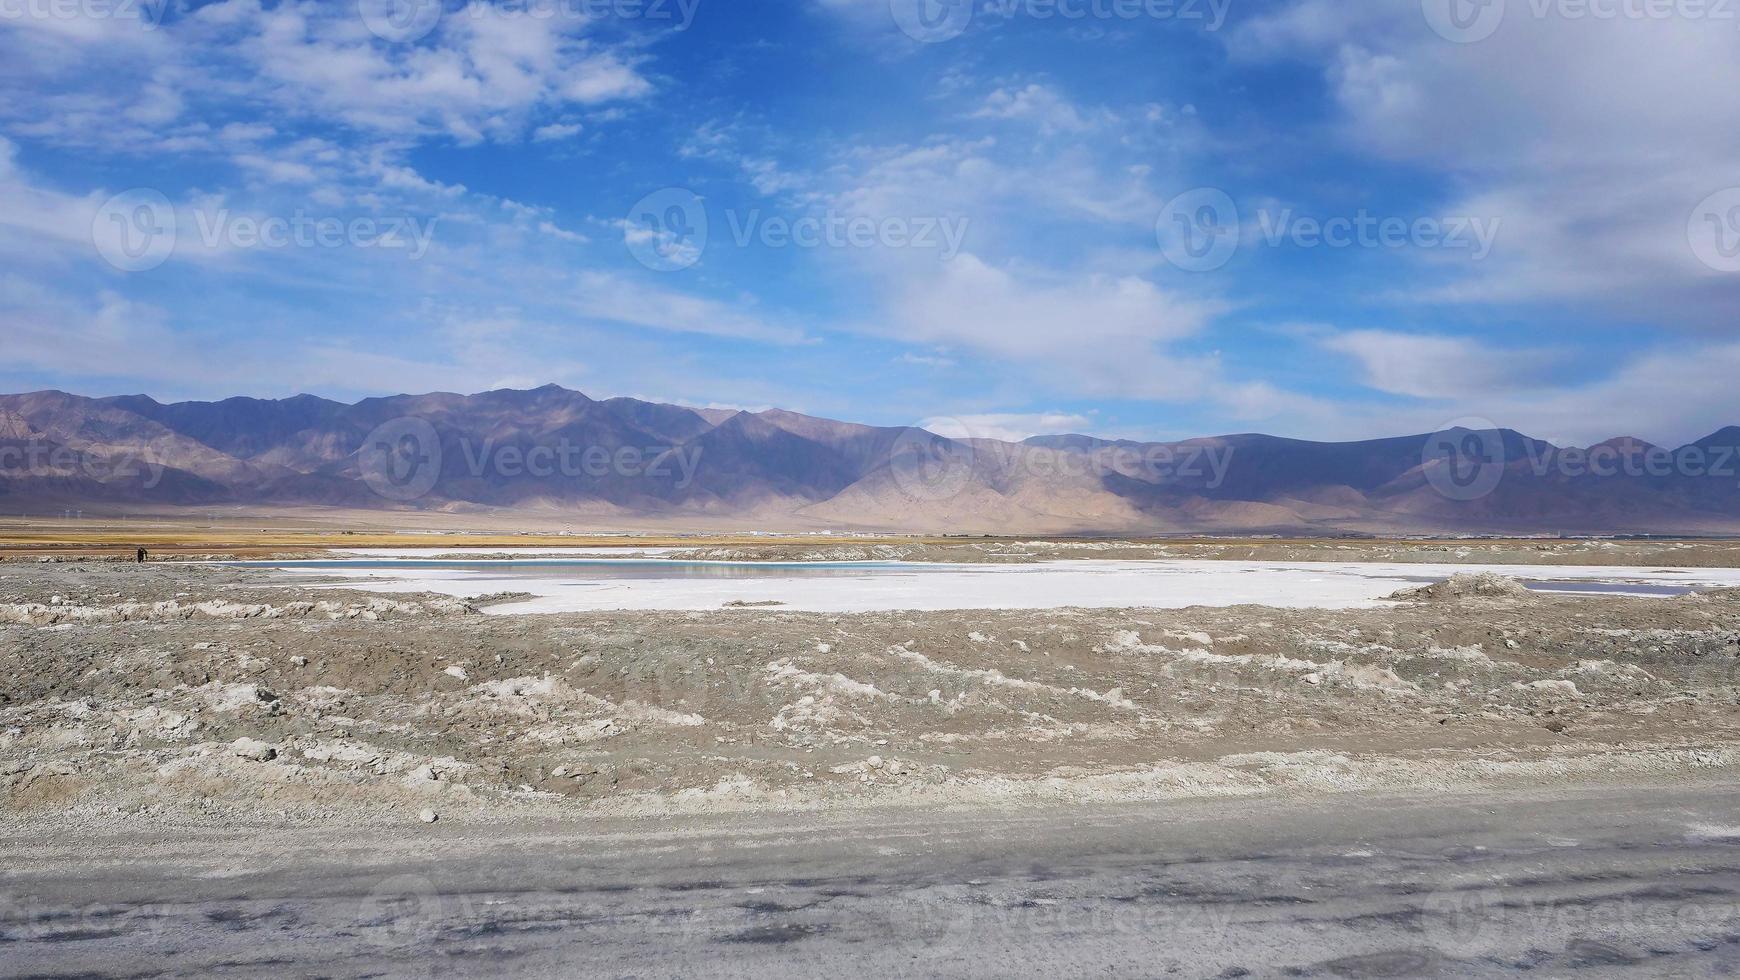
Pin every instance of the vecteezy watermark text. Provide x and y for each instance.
(1608, 460)
(1202, 229)
(1477, 919)
(1366, 230)
(405, 458)
(1470, 21)
(1205, 466)
(38, 458)
(138, 230)
(933, 21)
(221, 228)
(927, 466)
(833, 229)
(147, 13)
(669, 230)
(31, 918)
(676, 463)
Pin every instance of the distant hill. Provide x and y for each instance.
(553, 451)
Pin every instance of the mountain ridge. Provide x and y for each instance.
(553, 450)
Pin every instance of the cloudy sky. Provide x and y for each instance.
(1151, 218)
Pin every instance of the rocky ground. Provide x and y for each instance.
(198, 692)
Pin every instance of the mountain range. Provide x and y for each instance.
(622, 462)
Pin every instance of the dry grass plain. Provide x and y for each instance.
(249, 536)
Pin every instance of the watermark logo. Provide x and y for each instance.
(134, 231)
(1198, 230)
(400, 21)
(666, 231)
(403, 910)
(934, 922)
(931, 21)
(401, 459)
(1714, 230)
(1464, 21)
(1465, 460)
(1456, 919)
(926, 466)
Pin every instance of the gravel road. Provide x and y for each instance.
(1638, 881)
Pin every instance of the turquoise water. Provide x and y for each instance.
(1612, 588)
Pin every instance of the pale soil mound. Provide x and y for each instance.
(1713, 595)
(1468, 585)
(57, 611)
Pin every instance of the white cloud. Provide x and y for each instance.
(37, 216)
(608, 297)
(1039, 105)
(603, 78)
(281, 171)
(1578, 134)
(562, 234)
(926, 360)
(107, 337)
(1669, 396)
(1035, 303)
(995, 183)
(1007, 426)
(484, 73)
(1086, 333)
(555, 131)
(394, 176)
(1436, 366)
(246, 132)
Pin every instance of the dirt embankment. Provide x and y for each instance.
(193, 690)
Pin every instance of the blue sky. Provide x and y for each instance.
(978, 228)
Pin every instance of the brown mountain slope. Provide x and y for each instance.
(552, 450)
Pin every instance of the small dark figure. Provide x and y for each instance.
(140, 558)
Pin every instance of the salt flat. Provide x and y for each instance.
(882, 586)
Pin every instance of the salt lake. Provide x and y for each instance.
(570, 583)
